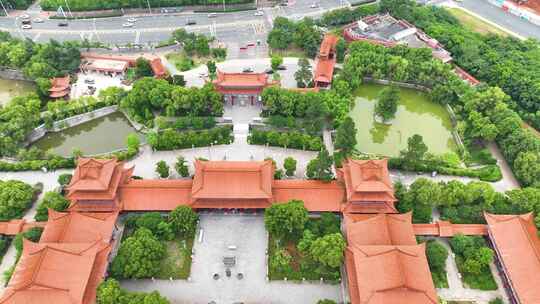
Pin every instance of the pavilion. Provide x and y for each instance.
(242, 86)
(326, 61)
(60, 87)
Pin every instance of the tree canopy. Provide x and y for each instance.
(15, 198)
(286, 220)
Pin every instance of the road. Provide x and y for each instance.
(226, 27)
(502, 18)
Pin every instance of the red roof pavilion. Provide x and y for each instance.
(326, 60)
(368, 186)
(60, 87)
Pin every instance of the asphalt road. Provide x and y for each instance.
(502, 18)
(238, 27)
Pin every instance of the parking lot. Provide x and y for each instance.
(247, 235)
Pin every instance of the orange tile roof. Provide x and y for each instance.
(60, 83)
(158, 68)
(233, 180)
(326, 60)
(155, 195)
(241, 79)
(380, 229)
(317, 196)
(328, 45)
(518, 248)
(447, 229)
(75, 227)
(397, 275)
(57, 273)
(367, 183)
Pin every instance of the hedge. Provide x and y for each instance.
(170, 139)
(29, 165)
(187, 122)
(294, 139)
(490, 173)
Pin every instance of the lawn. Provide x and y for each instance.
(475, 24)
(181, 61)
(177, 262)
(483, 281)
(440, 280)
(289, 52)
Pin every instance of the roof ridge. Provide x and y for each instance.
(41, 256)
(529, 238)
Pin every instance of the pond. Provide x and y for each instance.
(13, 88)
(101, 135)
(416, 114)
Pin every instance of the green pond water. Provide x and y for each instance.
(12, 88)
(416, 114)
(101, 135)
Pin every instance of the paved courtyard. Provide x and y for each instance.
(247, 233)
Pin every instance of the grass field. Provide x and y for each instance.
(177, 262)
(474, 23)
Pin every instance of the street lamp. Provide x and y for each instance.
(149, 8)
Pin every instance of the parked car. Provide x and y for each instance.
(38, 20)
(269, 71)
(212, 15)
(281, 67)
(128, 24)
(131, 20)
(191, 22)
(26, 21)
(259, 13)
(250, 44)
(24, 16)
(314, 5)
(243, 48)
(89, 80)
(247, 70)
(26, 26)
(62, 24)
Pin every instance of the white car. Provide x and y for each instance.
(314, 5)
(24, 16)
(26, 26)
(259, 13)
(127, 24)
(212, 15)
(131, 20)
(37, 20)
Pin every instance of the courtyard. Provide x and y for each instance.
(244, 237)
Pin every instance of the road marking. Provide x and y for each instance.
(36, 37)
(137, 37)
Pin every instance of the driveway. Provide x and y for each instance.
(248, 234)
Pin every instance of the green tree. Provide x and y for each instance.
(289, 164)
(150, 221)
(64, 179)
(162, 169)
(211, 65)
(341, 47)
(345, 139)
(281, 260)
(139, 256)
(414, 154)
(184, 220)
(303, 75)
(15, 198)
(143, 68)
(320, 168)
(51, 200)
(181, 166)
(326, 301)
(527, 168)
(421, 197)
(109, 292)
(276, 61)
(286, 220)
(387, 103)
(328, 250)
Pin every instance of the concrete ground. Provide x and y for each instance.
(101, 81)
(248, 234)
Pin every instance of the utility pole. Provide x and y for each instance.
(4, 8)
(149, 8)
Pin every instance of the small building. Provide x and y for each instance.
(385, 30)
(242, 87)
(326, 61)
(60, 87)
(107, 66)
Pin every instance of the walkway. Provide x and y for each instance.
(509, 181)
(457, 292)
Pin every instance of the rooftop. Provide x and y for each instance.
(380, 229)
(75, 227)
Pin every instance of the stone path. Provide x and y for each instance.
(456, 291)
(508, 181)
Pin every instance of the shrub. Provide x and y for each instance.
(289, 164)
(170, 139)
(286, 220)
(150, 221)
(162, 169)
(33, 165)
(181, 167)
(294, 139)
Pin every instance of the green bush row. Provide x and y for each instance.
(187, 122)
(294, 139)
(170, 139)
(30, 165)
(490, 173)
